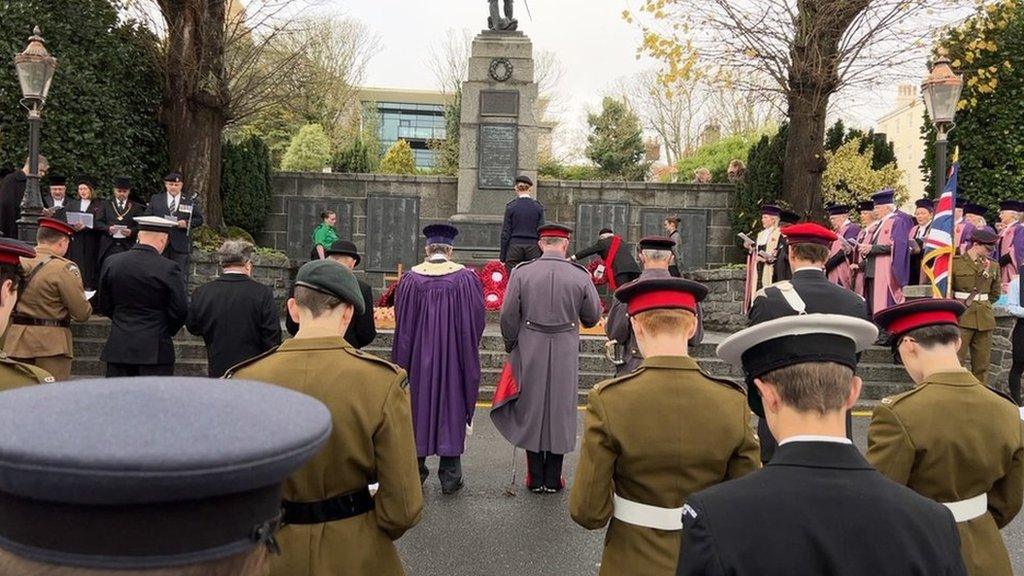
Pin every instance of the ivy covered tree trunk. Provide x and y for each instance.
(813, 77)
(195, 107)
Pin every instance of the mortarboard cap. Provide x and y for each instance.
(792, 340)
(809, 233)
(554, 231)
(975, 209)
(656, 243)
(926, 203)
(771, 210)
(1014, 205)
(11, 251)
(344, 248)
(172, 177)
(883, 197)
(660, 293)
(441, 234)
(789, 217)
(55, 224)
(865, 206)
(838, 209)
(145, 473)
(155, 224)
(333, 279)
(902, 318)
(961, 201)
(122, 182)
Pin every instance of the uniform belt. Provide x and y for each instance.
(966, 295)
(329, 510)
(646, 515)
(551, 328)
(30, 321)
(969, 509)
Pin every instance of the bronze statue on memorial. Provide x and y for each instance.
(497, 23)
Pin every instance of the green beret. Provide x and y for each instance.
(329, 277)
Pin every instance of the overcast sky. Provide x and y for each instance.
(595, 46)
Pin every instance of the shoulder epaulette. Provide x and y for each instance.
(1001, 394)
(521, 264)
(896, 398)
(41, 376)
(613, 381)
(245, 363)
(580, 266)
(372, 358)
(725, 382)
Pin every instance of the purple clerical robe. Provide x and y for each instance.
(892, 269)
(1011, 243)
(439, 320)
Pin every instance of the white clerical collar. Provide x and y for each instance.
(816, 438)
(234, 271)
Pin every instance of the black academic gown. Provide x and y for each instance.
(818, 508)
(85, 244)
(12, 190)
(111, 216)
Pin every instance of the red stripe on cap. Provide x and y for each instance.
(913, 321)
(10, 258)
(661, 299)
(554, 233)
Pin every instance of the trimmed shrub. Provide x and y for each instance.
(246, 184)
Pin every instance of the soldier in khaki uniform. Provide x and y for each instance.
(14, 374)
(951, 438)
(52, 295)
(333, 525)
(976, 283)
(655, 436)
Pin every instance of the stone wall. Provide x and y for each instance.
(1002, 351)
(723, 307)
(276, 272)
(383, 215)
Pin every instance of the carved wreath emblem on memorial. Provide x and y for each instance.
(501, 69)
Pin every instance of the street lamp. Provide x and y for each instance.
(941, 92)
(35, 69)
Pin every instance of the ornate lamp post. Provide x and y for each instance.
(35, 69)
(941, 92)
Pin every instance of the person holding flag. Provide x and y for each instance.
(943, 240)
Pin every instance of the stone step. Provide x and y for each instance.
(92, 366)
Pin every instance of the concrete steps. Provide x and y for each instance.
(881, 377)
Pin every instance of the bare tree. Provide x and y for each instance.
(448, 59)
(810, 49)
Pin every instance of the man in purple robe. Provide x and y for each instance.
(886, 254)
(546, 302)
(439, 320)
(1011, 240)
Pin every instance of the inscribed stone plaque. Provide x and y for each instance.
(498, 159)
(591, 218)
(304, 215)
(392, 232)
(693, 231)
(499, 103)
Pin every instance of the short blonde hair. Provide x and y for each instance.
(249, 563)
(666, 321)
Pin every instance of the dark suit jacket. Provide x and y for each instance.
(237, 318)
(361, 332)
(818, 508)
(108, 218)
(179, 241)
(12, 190)
(820, 296)
(624, 262)
(143, 294)
(522, 218)
(61, 213)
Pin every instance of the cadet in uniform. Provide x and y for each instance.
(656, 255)
(951, 438)
(976, 283)
(332, 523)
(143, 294)
(523, 217)
(818, 507)
(140, 476)
(14, 374)
(808, 292)
(620, 267)
(655, 436)
(51, 297)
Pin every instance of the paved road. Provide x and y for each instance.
(482, 532)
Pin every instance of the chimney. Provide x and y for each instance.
(906, 95)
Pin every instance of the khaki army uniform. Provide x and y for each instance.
(52, 296)
(14, 374)
(952, 439)
(977, 324)
(372, 441)
(652, 438)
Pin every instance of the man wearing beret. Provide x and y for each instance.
(143, 294)
(332, 524)
(54, 200)
(546, 302)
(818, 507)
(182, 210)
(116, 221)
(619, 265)
(951, 438)
(523, 216)
(51, 297)
(656, 256)
(439, 321)
(362, 330)
(149, 476)
(14, 374)
(635, 473)
(975, 278)
(1011, 240)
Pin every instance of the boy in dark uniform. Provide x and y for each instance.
(620, 266)
(523, 216)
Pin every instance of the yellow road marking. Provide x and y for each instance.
(856, 413)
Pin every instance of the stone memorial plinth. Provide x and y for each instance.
(498, 132)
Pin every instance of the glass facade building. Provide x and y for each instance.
(417, 124)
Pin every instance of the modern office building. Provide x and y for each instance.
(902, 127)
(416, 116)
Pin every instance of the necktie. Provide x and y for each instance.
(174, 205)
(120, 206)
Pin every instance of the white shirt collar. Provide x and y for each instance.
(437, 258)
(816, 268)
(816, 438)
